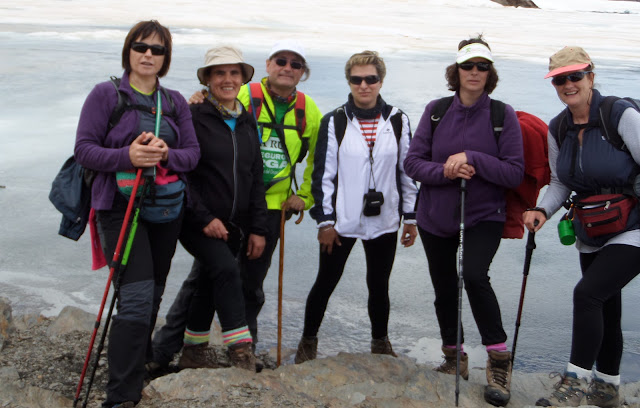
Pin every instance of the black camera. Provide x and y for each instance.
(373, 200)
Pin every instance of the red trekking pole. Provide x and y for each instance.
(114, 264)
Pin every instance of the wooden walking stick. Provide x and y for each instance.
(283, 219)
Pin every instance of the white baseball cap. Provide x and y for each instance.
(473, 50)
(288, 45)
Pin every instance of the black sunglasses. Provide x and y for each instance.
(143, 47)
(575, 77)
(282, 62)
(369, 79)
(468, 66)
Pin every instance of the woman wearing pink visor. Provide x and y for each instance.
(594, 151)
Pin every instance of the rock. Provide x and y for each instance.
(517, 3)
(341, 381)
(6, 321)
(28, 321)
(39, 368)
(71, 319)
(20, 395)
(9, 374)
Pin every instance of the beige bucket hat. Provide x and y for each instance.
(225, 54)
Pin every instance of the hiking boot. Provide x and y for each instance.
(259, 362)
(241, 356)
(448, 366)
(198, 356)
(154, 370)
(498, 391)
(568, 392)
(603, 394)
(307, 349)
(382, 346)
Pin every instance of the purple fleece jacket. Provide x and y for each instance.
(109, 152)
(499, 166)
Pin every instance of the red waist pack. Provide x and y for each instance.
(604, 214)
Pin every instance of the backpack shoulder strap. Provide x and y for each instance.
(610, 127)
(121, 105)
(301, 117)
(558, 127)
(256, 97)
(439, 110)
(301, 124)
(124, 105)
(396, 123)
(339, 123)
(171, 112)
(497, 109)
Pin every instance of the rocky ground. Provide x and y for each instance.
(40, 362)
(38, 354)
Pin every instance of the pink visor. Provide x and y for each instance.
(568, 68)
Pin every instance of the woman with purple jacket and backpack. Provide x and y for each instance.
(118, 151)
(464, 147)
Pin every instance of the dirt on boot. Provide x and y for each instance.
(568, 392)
(241, 356)
(382, 346)
(199, 356)
(307, 349)
(603, 394)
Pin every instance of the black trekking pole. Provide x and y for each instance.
(463, 189)
(115, 264)
(531, 245)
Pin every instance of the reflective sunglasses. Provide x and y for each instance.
(143, 47)
(575, 77)
(468, 66)
(282, 62)
(369, 79)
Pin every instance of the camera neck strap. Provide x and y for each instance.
(369, 128)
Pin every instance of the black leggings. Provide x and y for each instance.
(140, 292)
(219, 287)
(597, 307)
(380, 253)
(480, 245)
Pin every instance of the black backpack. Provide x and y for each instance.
(497, 114)
(340, 124)
(71, 189)
(124, 105)
(609, 129)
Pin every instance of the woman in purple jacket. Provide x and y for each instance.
(464, 146)
(109, 148)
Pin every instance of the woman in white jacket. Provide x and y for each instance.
(360, 191)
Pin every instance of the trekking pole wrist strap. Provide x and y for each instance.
(539, 209)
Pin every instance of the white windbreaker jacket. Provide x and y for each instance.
(342, 176)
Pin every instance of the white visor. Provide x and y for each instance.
(473, 51)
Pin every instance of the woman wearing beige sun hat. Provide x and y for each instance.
(225, 225)
(588, 166)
